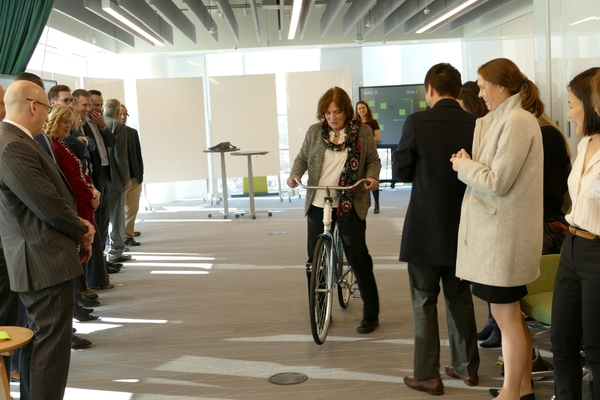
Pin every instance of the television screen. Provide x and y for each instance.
(6, 80)
(390, 106)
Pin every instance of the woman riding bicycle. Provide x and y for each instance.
(338, 151)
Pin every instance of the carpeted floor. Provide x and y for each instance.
(211, 308)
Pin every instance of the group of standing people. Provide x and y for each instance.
(475, 225)
(58, 197)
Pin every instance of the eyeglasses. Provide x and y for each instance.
(67, 101)
(44, 104)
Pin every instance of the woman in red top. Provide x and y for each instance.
(364, 115)
(86, 196)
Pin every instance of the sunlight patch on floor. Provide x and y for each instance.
(293, 338)
(264, 369)
(168, 258)
(177, 265)
(134, 321)
(170, 254)
(91, 327)
(216, 219)
(179, 272)
(410, 342)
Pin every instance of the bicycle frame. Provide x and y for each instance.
(335, 240)
(328, 269)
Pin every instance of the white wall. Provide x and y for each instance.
(529, 31)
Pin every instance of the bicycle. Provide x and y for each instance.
(329, 269)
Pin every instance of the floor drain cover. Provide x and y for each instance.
(288, 378)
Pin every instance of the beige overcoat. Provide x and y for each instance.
(500, 233)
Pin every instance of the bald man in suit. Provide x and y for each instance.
(45, 241)
(9, 305)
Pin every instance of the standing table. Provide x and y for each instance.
(19, 337)
(249, 154)
(223, 178)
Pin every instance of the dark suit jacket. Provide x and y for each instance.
(95, 159)
(39, 226)
(134, 153)
(119, 166)
(429, 138)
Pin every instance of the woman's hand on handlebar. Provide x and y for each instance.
(372, 184)
(291, 182)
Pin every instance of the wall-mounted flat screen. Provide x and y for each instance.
(390, 106)
(6, 80)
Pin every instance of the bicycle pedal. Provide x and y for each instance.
(356, 293)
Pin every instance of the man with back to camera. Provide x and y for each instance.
(136, 173)
(120, 181)
(430, 235)
(41, 254)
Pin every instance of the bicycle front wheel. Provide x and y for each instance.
(320, 297)
(345, 278)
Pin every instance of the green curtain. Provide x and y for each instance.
(21, 25)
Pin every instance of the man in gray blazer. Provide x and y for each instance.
(42, 235)
(430, 235)
(120, 181)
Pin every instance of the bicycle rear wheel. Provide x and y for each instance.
(345, 278)
(320, 297)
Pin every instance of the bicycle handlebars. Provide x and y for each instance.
(330, 187)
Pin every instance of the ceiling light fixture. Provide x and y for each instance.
(296, 8)
(369, 23)
(446, 16)
(212, 30)
(117, 12)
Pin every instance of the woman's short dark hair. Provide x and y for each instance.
(581, 87)
(471, 100)
(596, 91)
(340, 98)
(369, 112)
(505, 73)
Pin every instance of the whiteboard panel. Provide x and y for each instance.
(110, 88)
(172, 129)
(244, 112)
(304, 89)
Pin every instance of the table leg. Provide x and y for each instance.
(224, 179)
(5, 394)
(251, 187)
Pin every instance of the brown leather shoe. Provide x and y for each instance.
(468, 380)
(431, 386)
(15, 376)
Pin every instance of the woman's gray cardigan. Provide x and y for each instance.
(311, 157)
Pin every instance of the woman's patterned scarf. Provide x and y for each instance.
(350, 172)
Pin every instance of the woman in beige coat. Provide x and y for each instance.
(500, 234)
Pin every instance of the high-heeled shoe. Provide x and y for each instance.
(487, 329)
(496, 393)
(495, 339)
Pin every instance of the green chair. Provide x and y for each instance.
(538, 302)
